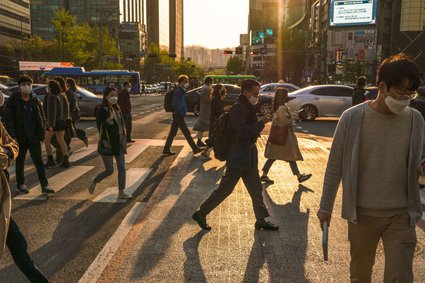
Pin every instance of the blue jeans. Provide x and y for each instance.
(108, 161)
(292, 164)
(17, 245)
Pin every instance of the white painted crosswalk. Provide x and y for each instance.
(57, 182)
(134, 178)
(134, 150)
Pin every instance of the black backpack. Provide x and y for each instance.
(223, 136)
(168, 101)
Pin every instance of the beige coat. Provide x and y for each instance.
(290, 150)
(6, 143)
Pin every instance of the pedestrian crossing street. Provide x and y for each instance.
(134, 176)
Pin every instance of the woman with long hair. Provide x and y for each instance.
(56, 109)
(217, 108)
(289, 151)
(203, 123)
(75, 110)
(113, 140)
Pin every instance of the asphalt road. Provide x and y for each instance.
(66, 231)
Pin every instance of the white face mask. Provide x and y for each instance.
(129, 89)
(186, 85)
(1, 98)
(47, 89)
(26, 89)
(253, 100)
(396, 106)
(113, 100)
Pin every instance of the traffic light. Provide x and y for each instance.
(256, 52)
(239, 50)
(228, 52)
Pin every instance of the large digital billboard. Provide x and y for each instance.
(352, 12)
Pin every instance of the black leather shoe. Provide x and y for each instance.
(201, 219)
(46, 190)
(168, 153)
(266, 179)
(304, 177)
(265, 225)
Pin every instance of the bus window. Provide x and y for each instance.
(112, 80)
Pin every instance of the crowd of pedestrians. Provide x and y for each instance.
(377, 153)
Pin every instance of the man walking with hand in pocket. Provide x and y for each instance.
(378, 153)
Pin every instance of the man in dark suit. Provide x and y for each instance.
(125, 105)
(242, 161)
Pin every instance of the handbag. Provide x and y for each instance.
(278, 134)
(104, 146)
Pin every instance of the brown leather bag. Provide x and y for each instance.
(278, 134)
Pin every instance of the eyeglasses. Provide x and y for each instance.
(402, 94)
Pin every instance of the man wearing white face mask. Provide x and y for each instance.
(125, 105)
(377, 152)
(242, 161)
(180, 109)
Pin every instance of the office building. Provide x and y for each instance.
(14, 21)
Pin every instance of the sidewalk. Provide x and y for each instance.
(166, 245)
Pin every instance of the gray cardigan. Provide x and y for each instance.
(344, 161)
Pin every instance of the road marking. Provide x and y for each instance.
(133, 151)
(99, 264)
(83, 152)
(305, 131)
(57, 182)
(298, 127)
(89, 128)
(142, 113)
(134, 177)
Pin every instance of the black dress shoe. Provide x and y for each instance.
(265, 225)
(201, 220)
(304, 177)
(131, 141)
(266, 179)
(168, 153)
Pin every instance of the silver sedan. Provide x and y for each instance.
(321, 101)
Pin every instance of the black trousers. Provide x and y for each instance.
(80, 134)
(179, 123)
(292, 164)
(35, 152)
(128, 125)
(17, 245)
(252, 182)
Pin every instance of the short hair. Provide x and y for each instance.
(127, 83)
(54, 87)
(72, 84)
(249, 84)
(182, 78)
(361, 81)
(208, 80)
(62, 83)
(24, 79)
(280, 98)
(395, 69)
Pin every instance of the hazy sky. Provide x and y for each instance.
(215, 23)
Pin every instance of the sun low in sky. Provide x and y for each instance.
(215, 23)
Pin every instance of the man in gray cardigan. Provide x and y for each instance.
(378, 153)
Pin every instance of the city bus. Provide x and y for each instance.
(230, 79)
(97, 80)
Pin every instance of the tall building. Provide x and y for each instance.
(14, 21)
(165, 25)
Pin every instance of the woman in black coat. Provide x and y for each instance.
(113, 140)
(217, 108)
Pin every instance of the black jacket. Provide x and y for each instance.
(102, 114)
(217, 108)
(358, 95)
(14, 118)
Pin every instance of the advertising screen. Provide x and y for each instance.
(352, 12)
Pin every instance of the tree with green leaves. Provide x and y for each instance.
(234, 65)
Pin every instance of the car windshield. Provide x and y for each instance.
(85, 92)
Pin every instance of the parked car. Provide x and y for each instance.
(193, 97)
(87, 101)
(321, 101)
(267, 92)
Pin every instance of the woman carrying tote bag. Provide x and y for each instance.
(113, 141)
(282, 143)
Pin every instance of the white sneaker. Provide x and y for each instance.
(123, 195)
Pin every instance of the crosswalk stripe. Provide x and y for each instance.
(99, 264)
(134, 177)
(57, 182)
(83, 152)
(133, 151)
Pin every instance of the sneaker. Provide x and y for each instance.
(47, 190)
(92, 187)
(266, 179)
(123, 195)
(200, 143)
(197, 150)
(201, 219)
(168, 152)
(304, 177)
(49, 164)
(22, 189)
